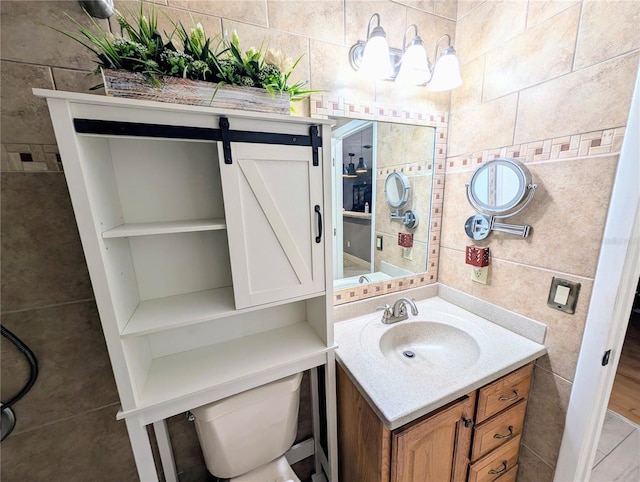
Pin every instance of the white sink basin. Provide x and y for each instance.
(412, 367)
(429, 345)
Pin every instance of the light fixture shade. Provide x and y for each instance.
(375, 59)
(362, 166)
(414, 69)
(446, 73)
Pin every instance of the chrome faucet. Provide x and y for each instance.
(399, 311)
(364, 279)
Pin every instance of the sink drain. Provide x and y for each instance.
(408, 354)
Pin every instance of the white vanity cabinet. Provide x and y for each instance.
(204, 234)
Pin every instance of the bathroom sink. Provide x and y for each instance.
(412, 367)
(429, 345)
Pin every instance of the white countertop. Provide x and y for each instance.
(400, 391)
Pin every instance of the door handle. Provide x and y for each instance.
(319, 236)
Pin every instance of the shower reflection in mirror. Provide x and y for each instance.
(381, 182)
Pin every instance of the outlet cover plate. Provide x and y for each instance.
(480, 275)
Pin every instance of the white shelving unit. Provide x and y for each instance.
(203, 231)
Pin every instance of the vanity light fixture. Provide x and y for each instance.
(350, 170)
(362, 166)
(409, 65)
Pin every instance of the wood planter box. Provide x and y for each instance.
(176, 90)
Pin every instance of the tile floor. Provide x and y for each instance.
(618, 455)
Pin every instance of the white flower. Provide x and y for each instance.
(277, 58)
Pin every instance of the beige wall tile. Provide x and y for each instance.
(487, 125)
(594, 98)
(250, 11)
(25, 118)
(36, 271)
(424, 5)
(466, 6)
(77, 81)
(325, 23)
(452, 270)
(607, 29)
(27, 33)
(170, 17)
(74, 373)
(446, 8)
(91, 446)
(536, 55)
(489, 26)
(546, 413)
(532, 468)
(469, 94)
(541, 10)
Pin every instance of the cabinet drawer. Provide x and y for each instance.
(498, 430)
(497, 463)
(503, 393)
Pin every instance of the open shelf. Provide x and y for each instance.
(180, 310)
(166, 227)
(174, 376)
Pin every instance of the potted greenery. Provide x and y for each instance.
(188, 66)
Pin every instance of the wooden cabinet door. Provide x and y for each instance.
(274, 228)
(435, 448)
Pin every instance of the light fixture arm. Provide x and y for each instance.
(404, 37)
(448, 37)
(377, 15)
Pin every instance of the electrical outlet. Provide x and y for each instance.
(480, 275)
(348, 244)
(407, 253)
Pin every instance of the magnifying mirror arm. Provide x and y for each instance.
(517, 229)
(409, 218)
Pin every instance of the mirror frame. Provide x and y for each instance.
(398, 177)
(519, 202)
(323, 106)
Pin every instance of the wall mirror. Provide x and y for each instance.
(498, 189)
(375, 254)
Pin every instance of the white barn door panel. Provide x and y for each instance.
(270, 194)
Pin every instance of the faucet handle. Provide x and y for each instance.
(388, 312)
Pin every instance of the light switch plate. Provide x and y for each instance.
(563, 295)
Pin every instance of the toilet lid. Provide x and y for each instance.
(278, 470)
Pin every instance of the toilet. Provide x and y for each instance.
(244, 437)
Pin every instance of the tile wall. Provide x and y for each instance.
(548, 83)
(66, 425)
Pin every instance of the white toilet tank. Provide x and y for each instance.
(247, 430)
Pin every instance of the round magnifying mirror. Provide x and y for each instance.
(499, 188)
(396, 190)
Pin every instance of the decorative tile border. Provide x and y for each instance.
(30, 158)
(328, 105)
(579, 145)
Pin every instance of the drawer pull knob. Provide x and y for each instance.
(502, 470)
(467, 422)
(509, 435)
(510, 399)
